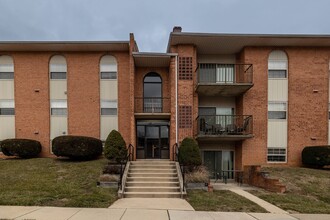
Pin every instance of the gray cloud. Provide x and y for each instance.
(151, 21)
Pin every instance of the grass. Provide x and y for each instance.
(224, 201)
(308, 190)
(53, 182)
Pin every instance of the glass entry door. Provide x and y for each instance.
(152, 140)
(219, 161)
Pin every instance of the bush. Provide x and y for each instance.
(115, 147)
(318, 156)
(189, 154)
(77, 147)
(199, 175)
(24, 148)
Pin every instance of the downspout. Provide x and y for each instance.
(176, 98)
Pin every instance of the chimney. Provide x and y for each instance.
(177, 29)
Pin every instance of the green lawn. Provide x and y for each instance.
(53, 182)
(308, 190)
(224, 201)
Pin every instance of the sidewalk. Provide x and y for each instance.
(55, 213)
(241, 190)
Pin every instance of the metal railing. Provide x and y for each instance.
(130, 157)
(225, 124)
(225, 73)
(152, 105)
(176, 158)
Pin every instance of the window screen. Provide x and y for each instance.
(7, 107)
(277, 110)
(277, 74)
(109, 107)
(108, 75)
(58, 107)
(58, 75)
(6, 75)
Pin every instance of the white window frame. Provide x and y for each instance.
(102, 79)
(109, 104)
(278, 102)
(7, 104)
(59, 104)
(274, 154)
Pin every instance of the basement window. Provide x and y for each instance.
(276, 154)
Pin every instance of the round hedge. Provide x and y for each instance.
(189, 154)
(77, 147)
(318, 156)
(115, 147)
(24, 148)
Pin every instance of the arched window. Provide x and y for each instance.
(108, 67)
(108, 95)
(152, 93)
(6, 67)
(277, 131)
(57, 67)
(277, 65)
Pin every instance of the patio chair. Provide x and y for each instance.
(205, 127)
(245, 125)
(231, 129)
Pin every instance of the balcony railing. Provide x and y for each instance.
(152, 105)
(225, 73)
(224, 125)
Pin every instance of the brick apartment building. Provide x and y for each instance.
(247, 99)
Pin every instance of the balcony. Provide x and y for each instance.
(224, 79)
(224, 127)
(152, 107)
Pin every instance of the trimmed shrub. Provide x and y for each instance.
(189, 154)
(77, 147)
(24, 148)
(318, 156)
(115, 147)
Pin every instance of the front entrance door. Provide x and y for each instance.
(152, 140)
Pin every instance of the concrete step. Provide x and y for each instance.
(152, 194)
(152, 189)
(138, 170)
(148, 166)
(154, 161)
(151, 174)
(152, 179)
(155, 184)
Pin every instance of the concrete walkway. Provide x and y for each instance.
(50, 213)
(154, 203)
(240, 190)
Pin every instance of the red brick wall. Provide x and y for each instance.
(186, 91)
(32, 110)
(255, 103)
(307, 111)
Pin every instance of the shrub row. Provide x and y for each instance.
(77, 147)
(74, 147)
(24, 148)
(317, 156)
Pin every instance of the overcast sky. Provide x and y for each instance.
(151, 21)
